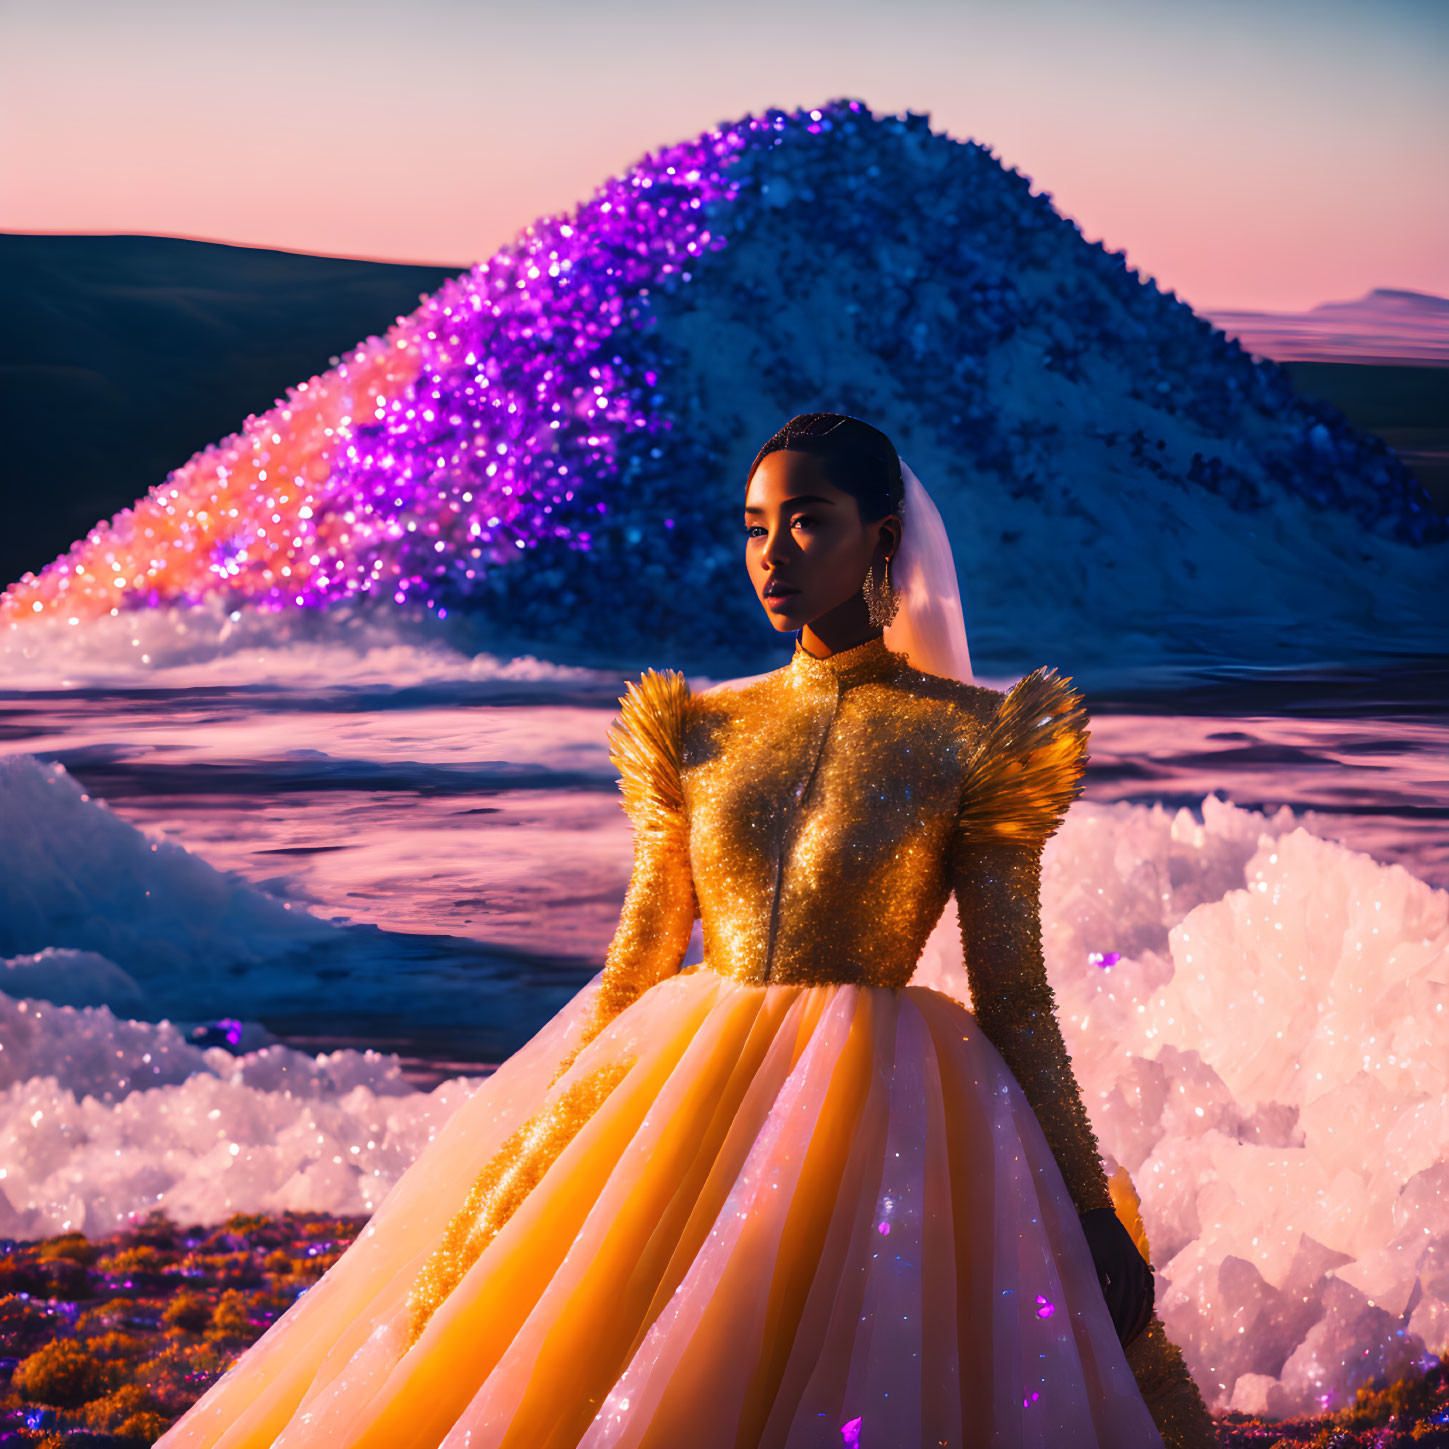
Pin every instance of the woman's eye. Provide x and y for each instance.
(753, 530)
(804, 520)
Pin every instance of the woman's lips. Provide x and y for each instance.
(777, 595)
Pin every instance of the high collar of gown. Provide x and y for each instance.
(871, 660)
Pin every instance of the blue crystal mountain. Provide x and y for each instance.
(1124, 485)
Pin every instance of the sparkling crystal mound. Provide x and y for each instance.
(568, 423)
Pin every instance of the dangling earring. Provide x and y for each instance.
(881, 600)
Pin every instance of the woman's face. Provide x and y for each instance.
(805, 544)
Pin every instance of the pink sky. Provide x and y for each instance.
(1271, 154)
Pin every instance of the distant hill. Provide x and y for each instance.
(1384, 325)
(552, 447)
(121, 356)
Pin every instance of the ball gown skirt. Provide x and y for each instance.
(774, 1215)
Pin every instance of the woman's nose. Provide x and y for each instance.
(776, 548)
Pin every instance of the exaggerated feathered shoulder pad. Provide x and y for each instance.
(646, 747)
(1028, 768)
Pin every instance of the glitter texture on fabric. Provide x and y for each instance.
(514, 1171)
(660, 907)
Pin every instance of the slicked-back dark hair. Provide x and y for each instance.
(855, 457)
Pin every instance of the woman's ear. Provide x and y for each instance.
(888, 540)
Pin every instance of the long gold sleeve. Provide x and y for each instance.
(645, 745)
(1026, 773)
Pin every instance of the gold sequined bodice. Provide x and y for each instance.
(821, 801)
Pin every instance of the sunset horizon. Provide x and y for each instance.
(1242, 159)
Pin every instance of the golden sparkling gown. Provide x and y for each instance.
(782, 1198)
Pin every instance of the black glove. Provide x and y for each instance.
(1121, 1270)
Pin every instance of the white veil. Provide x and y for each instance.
(930, 629)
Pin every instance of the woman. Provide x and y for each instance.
(783, 1197)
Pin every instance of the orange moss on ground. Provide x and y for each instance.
(104, 1344)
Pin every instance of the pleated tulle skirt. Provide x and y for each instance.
(800, 1216)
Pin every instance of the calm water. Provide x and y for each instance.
(474, 827)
